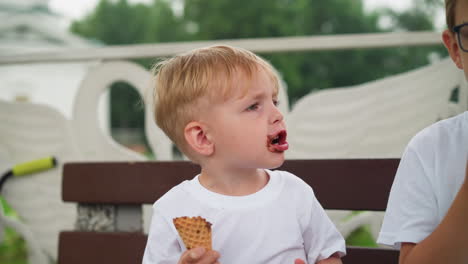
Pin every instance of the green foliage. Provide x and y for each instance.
(121, 22)
(302, 72)
(13, 247)
(126, 96)
(361, 237)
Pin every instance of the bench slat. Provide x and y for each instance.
(350, 184)
(77, 247)
(363, 255)
(123, 248)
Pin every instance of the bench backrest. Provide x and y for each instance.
(349, 184)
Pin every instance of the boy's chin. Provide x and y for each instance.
(276, 163)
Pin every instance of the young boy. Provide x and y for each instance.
(427, 212)
(219, 106)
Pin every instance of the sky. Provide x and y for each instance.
(77, 9)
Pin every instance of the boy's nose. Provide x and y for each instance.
(277, 116)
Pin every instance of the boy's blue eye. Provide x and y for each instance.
(276, 102)
(253, 107)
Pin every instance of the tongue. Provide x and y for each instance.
(279, 147)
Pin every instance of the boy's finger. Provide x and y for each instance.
(195, 254)
(191, 256)
(199, 256)
(299, 261)
(210, 257)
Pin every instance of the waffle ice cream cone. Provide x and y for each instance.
(194, 231)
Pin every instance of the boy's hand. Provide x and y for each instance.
(299, 261)
(199, 256)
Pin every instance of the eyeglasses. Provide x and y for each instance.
(462, 33)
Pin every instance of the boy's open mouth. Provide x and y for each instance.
(277, 142)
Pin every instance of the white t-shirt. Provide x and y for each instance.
(429, 177)
(281, 222)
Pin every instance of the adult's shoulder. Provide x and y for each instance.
(441, 130)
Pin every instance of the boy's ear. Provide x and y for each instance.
(196, 136)
(450, 42)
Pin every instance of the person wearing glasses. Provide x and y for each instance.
(427, 211)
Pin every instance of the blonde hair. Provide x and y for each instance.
(206, 73)
(450, 6)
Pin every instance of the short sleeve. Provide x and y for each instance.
(321, 237)
(162, 246)
(411, 213)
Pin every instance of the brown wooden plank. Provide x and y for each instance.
(123, 248)
(354, 184)
(99, 248)
(123, 182)
(363, 255)
(350, 184)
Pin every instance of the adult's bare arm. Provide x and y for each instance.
(448, 243)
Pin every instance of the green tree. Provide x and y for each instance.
(120, 22)
(307, 71)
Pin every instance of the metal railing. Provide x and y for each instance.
(259, 45)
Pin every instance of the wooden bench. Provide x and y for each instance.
(117, 190)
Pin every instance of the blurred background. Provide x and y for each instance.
(47, 25)
(32, 25)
